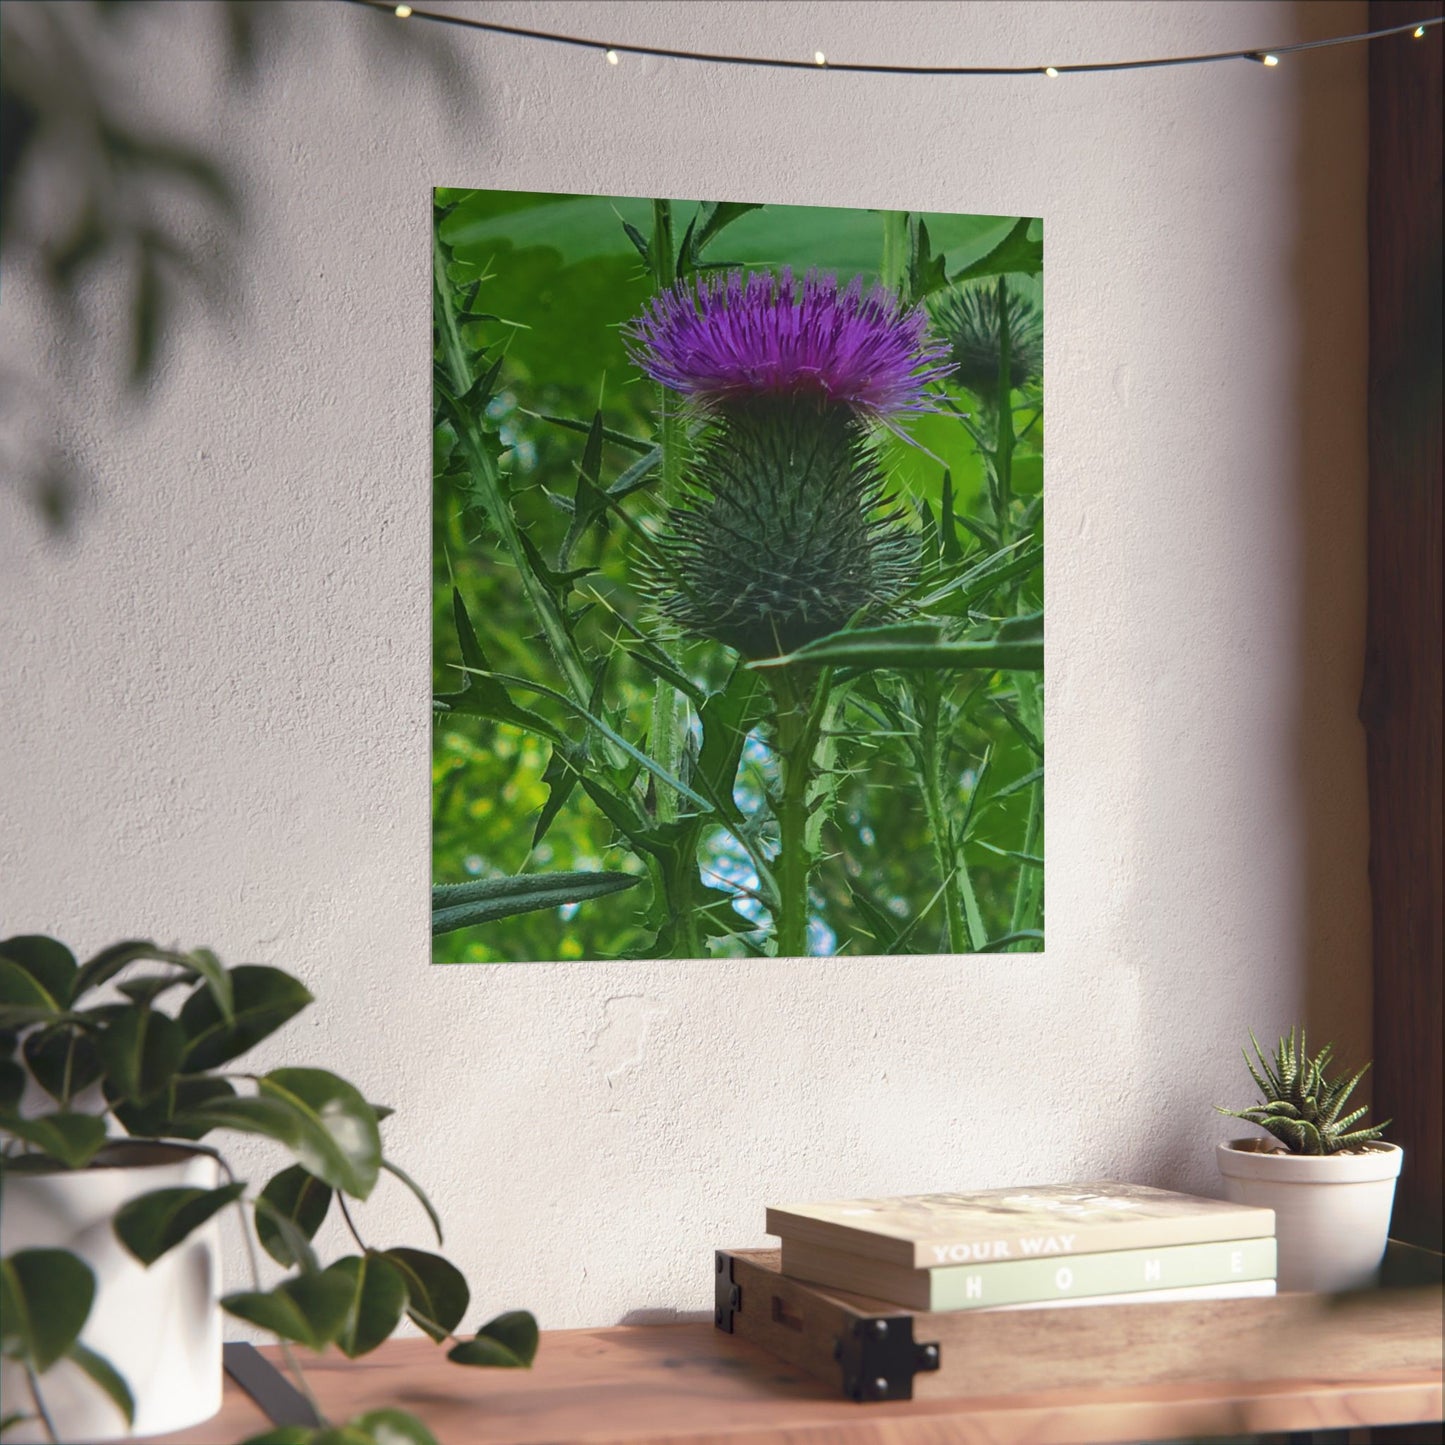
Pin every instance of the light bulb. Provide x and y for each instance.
(402, 11)
(1271, 60)
(612, 57)
(819, 58)
(1051, 72)
(1418, 32)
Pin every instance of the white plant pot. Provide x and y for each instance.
(1331, 1211)
(160, 1327)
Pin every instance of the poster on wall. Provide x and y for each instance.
(737, 580)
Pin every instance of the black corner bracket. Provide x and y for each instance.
(880, 1358)
(727, 1296)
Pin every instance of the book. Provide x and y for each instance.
(1249, 1289)
(1026, 1281)
(923, 1231)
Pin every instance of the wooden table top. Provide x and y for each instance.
(691, 1384)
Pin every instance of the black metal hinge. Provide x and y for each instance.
(880, 1357)
(727, 1296)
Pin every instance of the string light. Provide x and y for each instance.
(553, 37)
(612, 57)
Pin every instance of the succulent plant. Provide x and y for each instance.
(1301, 1107)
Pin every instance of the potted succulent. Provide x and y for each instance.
(116, 1076)
(1331, 1185)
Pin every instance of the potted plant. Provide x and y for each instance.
(1331, 1185)
(115, 1077)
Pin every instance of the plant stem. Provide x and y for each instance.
(346, 1215)
(34, 1384)
(669, 711)
(254, 1262)
(666, 727)
(800, 706)
(1003, 449)
(1029, 893)
(931, 750)
(894, 269)
(489, 486)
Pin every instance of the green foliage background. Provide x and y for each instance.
(539, 285)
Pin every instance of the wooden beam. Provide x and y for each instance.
(1400, 703)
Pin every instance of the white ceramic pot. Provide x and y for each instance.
(1331, 1211)
(160, 1327)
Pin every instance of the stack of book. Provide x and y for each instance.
(1028, 1248)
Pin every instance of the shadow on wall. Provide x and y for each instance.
(102, 212)
(1316, 750)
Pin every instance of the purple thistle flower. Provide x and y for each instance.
(726, 339)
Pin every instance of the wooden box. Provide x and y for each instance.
(873, 1350)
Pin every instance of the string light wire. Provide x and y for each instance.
(1260, 55)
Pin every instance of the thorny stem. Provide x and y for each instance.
(931, 748)
(484, 471)
(1004, 422)
(894, 270)
(666, 728)
(799, 708)
(1028, 897)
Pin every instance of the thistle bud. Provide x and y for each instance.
(969, 318)
(787, 533)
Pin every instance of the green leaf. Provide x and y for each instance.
(141, 1051)
(890, 649)
(104, 1374)
(23, 999)
(419, 1192)
(49, 963)
(12, 1085)
(589, 502)
(377, 1298)
(652, 766)
(464, 905)
(160, 1116)
(290, 1237)
(71, 1138)
(1015, 253)
(62, 1059)
(278, 1115)
(714, 217)
(621, 439)
(394, 1427)
(479, 695)
(201, 963)
(560, 779)
(507, 1342)
(45, 1299)
(283, 1435)
(265, 998)
(341, 1143)
(297, 1196)
(152, 1224)
(997, 945)
(437, 1294)
(310, 1309)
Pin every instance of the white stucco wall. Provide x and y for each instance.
(214, 720)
